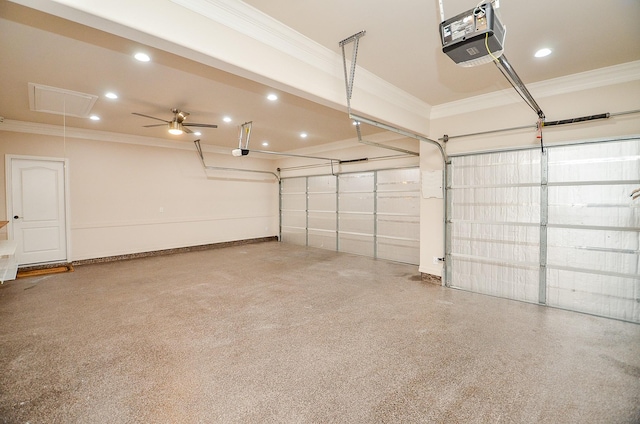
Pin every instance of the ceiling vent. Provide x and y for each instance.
(60, 101)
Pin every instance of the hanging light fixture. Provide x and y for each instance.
(175, 128)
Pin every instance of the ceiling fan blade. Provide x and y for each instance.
(199, 125)
(186, 130)
(147, 116)
(155, 125)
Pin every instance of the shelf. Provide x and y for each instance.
(8, 264)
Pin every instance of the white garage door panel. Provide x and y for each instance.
(494, 210)
(321, 238)
(295, 218)
(295, 201)
(611, 161)
(293, 211)
(593, 205)
(572, 243)
(497, 204)
(511, 243)
(398, 226)
(359, 223)
(356, 202)
(374, 213)
(594, 229)
(496, 279)
(496, 169)
(358, 244)
(604, 295)
(404, 203)
(615, 252)
(294, 236)
(407, 251)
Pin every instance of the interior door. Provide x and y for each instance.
(38, 210)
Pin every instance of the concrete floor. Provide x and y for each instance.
(278, 333)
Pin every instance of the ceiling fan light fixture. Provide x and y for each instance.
(175, 128)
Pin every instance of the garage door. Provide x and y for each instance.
(558, 228)
(374, 213)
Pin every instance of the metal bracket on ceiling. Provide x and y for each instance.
(355, 38)
(349, 78)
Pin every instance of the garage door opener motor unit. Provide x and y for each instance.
(474, 37)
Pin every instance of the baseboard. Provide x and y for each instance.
(174, 251)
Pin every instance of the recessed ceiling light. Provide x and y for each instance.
(303, 135)
(197, 133)
(226, 119)
(111, 95)
(265, 143)
(543, 52)
(272, 97)
(94, 117)
(142, 57)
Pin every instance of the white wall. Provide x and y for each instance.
(117, 191)
(611, 98)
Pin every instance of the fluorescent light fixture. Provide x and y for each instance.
(142, 57)
(272, 97)
(303, 135)
(94, 117)
(543, 52)
(111, 95)
(175, 128)
(226, 119)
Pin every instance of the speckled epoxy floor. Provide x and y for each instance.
(277, 333)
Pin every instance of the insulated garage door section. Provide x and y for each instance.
(557, 228)
(594, 229)
(494, 224)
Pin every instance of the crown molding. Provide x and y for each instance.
(253, 23)
(10, 125)
(602, 77)
(249, 21)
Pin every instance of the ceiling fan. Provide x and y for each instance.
(177, 125)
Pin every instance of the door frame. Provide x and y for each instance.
(9, 194)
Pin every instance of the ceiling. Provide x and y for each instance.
(401, 46)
